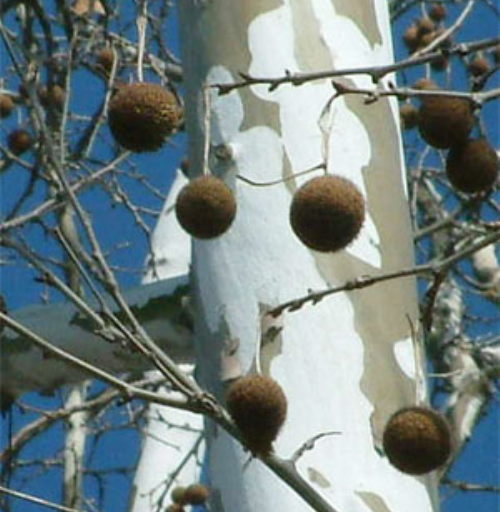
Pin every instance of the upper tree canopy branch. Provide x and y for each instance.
(375, 72)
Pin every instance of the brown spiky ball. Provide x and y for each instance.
(6, 105)
(142, 115)
(196, 494)
(417, 440)
(438, 12)
(258, 406)
(425, 84)
(478, 66)
(205, 207)
(327, 213)
(411, 38)
(52, 97)
(408, 114)
(444, 121)
(175, 507)
(105, 58)
(178, 494)
(19, 141)
(473, 166)
(425, 25)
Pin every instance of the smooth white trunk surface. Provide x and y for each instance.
(172, 442)
(346, 363)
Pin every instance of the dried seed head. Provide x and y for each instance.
(6, 105)
(196, 494)
(142, 115)
(444, 122)
(205, 207)
(411, 38)
(417, 440)
(425, 84)
(177, 495)
(52, 97)
(105, 58)
(440, 64)
(409, 116)
(425, 25)
(327, 213)
(258, 406)
(437, 12)
(473, 166)
(175, 507)
(478, 66)
(19, 141)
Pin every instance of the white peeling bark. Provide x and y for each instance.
(346, 363)
(172, 442)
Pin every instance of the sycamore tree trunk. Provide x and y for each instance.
(346, 363)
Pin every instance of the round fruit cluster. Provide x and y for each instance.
(326, 213)
(141, 116)
(194, 494)
(417, 440)
(446, 122)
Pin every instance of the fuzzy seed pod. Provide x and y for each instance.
(105, 58)
(178, 495)
(478, 66)
(327, 213)
(6, 105)
(52, 97)
(440, 64)
(19, 141)
(258, 406)
(142, 115)
(444, 121)
(411, 38)
(473, 166)
(196, 494)
(437, 12)
(417, 440)
(205, 207)
(175, 507)
(425, 26)
(425, 84)
(408, 114)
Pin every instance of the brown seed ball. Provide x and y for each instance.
(258, 406)
(327, 213)
(408, 114)
(417, 440)
(411, 38)
(444, 121)
(437, 12)
(440, 64)
(178, 494)
(425, 25)
(205, 207)
(175, 507)
(473, 166)
(196, 494)
(424, 84)
(478, 66)
(19, 141)
(53, 96)
(105, 58)
(6, 105)
(142, 115)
